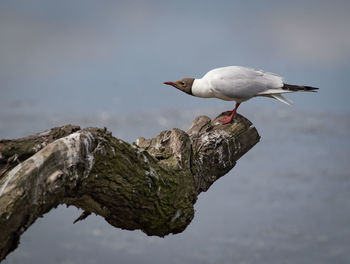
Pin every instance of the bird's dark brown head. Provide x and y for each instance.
(184, 84)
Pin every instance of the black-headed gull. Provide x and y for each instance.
(237, 83)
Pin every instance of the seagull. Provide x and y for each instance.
(239, 84)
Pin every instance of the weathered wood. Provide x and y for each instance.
(150, 185)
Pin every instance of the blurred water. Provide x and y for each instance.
(286, 201)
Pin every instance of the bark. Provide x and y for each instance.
(150, 185)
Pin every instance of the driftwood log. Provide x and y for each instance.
(149, 185)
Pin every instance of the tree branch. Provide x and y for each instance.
(151, 185)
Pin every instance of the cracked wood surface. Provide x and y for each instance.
(151, 185)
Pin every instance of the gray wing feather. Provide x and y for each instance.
(242, 82)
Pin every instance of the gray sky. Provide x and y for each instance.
(112, 56)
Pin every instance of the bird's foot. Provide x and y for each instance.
(225, 120)
(226, 113)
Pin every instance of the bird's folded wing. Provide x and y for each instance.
(241, 82)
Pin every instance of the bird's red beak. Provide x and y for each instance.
(170, 83)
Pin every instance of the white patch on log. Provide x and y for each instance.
(176, 216)
(37, 147)
(54, 176)
(89, 156)
(221, 155)
(72, 143)
(152, 171)
(237, 146)
(157, 146)
(9, 177)
(36, 190)
(145, 159)
(222, 140)
(74, 153)
(38, 160)
(113, 150)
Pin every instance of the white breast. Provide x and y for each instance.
(202, 88)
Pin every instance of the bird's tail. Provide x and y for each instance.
(295, 88)
(286, 88)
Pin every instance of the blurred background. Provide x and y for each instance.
(102, 63)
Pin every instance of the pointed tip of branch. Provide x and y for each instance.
(82, 216)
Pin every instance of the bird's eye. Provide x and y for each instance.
(183, 83)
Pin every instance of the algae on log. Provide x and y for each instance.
(150, 185)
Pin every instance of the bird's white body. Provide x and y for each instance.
(237, 83)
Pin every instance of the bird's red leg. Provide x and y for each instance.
(226, 113)
(228, 119)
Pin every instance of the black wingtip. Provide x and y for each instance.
(292, 87)
(310, 88)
